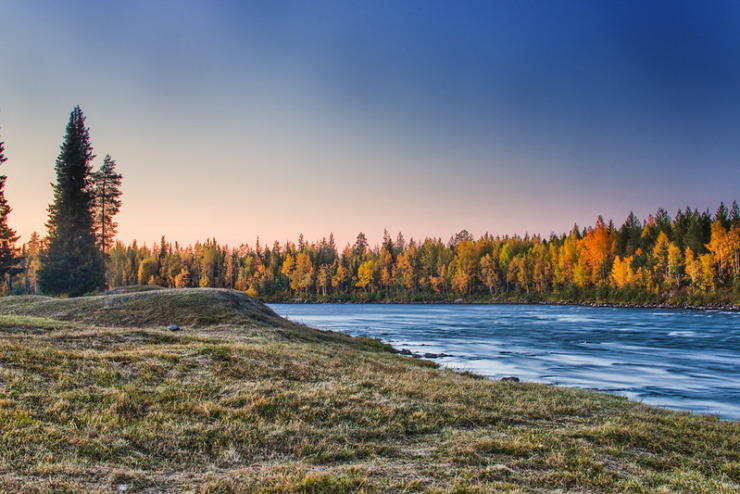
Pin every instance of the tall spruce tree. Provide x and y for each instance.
(107, 203)
(71, 262)
(9, 255)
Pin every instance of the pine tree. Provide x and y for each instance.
(722, 216)
(735, 214)
(360, 245)
(107, 188)
(71, 262)
(9, 256)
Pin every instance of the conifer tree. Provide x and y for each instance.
(107, 188)
(9, 257)
(360, 245)
(721, 216)
(735, 214)
(71, 261)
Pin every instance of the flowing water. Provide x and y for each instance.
(682, 359)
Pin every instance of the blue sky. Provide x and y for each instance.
(238, 119)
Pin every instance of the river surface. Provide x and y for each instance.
(681, 359)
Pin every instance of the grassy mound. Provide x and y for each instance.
(86, 408)
(191, 307)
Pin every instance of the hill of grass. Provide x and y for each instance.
(151, 307)
(96, 394)
(148, 308)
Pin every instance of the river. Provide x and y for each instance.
(680, 359)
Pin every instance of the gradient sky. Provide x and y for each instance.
(235, 119)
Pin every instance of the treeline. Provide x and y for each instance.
(693, 257)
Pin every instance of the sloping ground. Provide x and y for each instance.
(191, 307)
(97, 409)
(220, 311)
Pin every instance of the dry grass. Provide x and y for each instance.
(274, 407)
(193, 307)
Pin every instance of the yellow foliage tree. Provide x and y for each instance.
(522, 269)
(660, 260)
(489, 272)
(622, 273)
(568, 259)
(466, 265)
(596, 250)
(323, 279)
(147, 269)
(542, 269)
(693, 268)
(722, 248)
(406, 269)
(288, 269)
(340, 278)
(182, 280)
(205, 281)
(675, 265)
(733, 241)
(303, 273)
(581, 274)
(366, 274)
(386, 270)
(708, 272)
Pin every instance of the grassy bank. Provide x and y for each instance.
(96, 393)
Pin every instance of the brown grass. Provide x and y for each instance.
(253, 407)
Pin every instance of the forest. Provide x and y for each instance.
(692, 258)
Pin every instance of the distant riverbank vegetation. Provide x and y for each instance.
(692, 258)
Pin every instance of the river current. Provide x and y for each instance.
(680, 359)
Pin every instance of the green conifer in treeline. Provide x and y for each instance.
(10, 259)
(71, 263)
(692, 258)
(107, 193)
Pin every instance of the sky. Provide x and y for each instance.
(239, 119)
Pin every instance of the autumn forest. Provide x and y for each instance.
(691, 258)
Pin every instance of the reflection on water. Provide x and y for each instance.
(675, 358)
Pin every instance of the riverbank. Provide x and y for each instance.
(98, 395)
(680, 359)
(650, 305)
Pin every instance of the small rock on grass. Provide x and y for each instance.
(174, 327)
(512, 379)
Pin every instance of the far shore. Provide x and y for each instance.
(648, 305)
